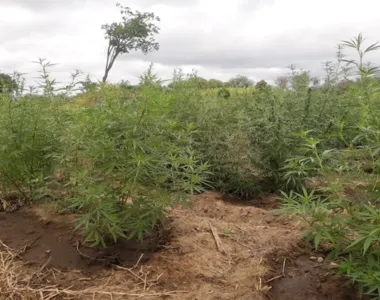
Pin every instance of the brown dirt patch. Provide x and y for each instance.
(299, 276)
(51, 237)
(190, 266)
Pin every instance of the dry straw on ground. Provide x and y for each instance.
(217, 250)
(17, 281)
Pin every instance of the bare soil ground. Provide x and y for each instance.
(216, 249)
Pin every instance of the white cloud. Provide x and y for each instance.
(219, 38)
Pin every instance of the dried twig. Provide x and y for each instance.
(282, 272)
(274, 278)
(130, 271)
(138, 261)
(45, 264)
(217, 239)
(86, 256)
(283, 267)
(30, 244)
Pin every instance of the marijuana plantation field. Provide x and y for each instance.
(183, 192)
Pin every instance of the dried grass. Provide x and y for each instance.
(218, 250)
(19, 282)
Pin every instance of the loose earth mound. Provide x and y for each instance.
(216, 249)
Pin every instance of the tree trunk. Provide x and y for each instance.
(108, 68)
(105, 76)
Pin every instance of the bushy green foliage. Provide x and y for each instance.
(342, 215)
(127, 159)
(261, 85)
(7, 84)
(224, 93)
(29, 138)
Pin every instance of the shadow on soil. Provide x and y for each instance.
(55, 243)
(297, 277)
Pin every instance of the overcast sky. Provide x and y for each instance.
(219, 38)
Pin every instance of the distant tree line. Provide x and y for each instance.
(238, 81)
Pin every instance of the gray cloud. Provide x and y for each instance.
(214, 50)
(51, 5)
(163, 2)
(219, 38)
(248, 6)
(45, 5)
(31, 30)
